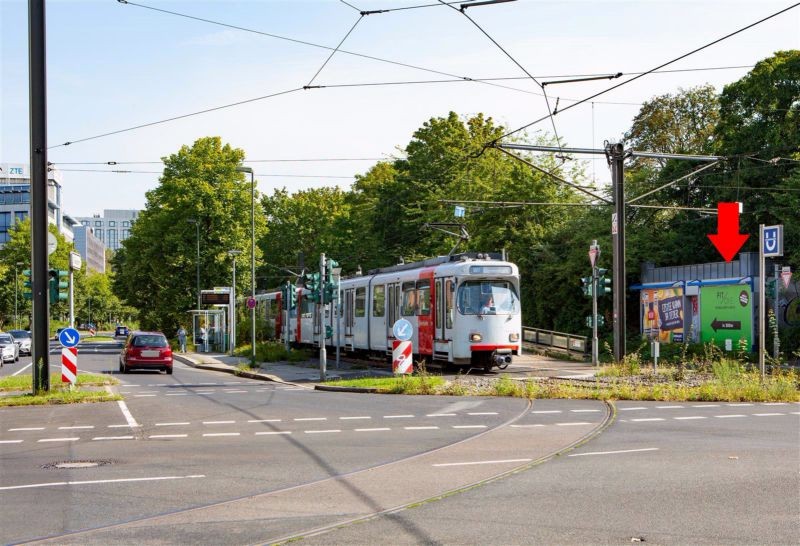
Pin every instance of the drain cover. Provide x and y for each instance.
(76, 464)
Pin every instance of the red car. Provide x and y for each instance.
(146, 350)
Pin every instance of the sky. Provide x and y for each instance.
(112, 66)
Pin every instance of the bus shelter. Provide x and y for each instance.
(209, 330)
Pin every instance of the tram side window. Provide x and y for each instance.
(409, 299)
(449, 290)
(308, 307)
(378, 300)
(361, 302)
(438, 304)
(424, 297)
(272, 309)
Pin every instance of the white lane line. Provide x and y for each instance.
(398, 416)
(483, 413)
(469, 426)
(353, 418)
(614, 452)
(485, 462)
(168, 436)
(372, 429)
(125, 426)
(646, 419)
(218, 422)
(10, 441)
(527, 426)
(572, 424)
(204, 392)
(176, 424)
(547, 411)
(127, 414)
(738, 404)
(795, 413)
(222, 434)
(233, 383)
(669, 407)
(273, 432)
(729, 416)
(421, 428)
(310, 419)
(142, 395)
(59, 440)
(584, 410)
(177, 394)
(688, 418)
(441, 415)
(92, 482)
(76, 427)
(633, 409)
(24, 429)
(23, 369)
(148, 392)
(774, 404)
(706, 406)
(113, 438)
(264, 420)
(767, 414)
(321, 431)
(233, 392)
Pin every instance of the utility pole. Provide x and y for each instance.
(594, 254)
(322, 352)
(40, 309)
(776, 340)
(287, 305)
(615, 154)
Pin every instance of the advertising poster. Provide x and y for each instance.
(726, 315)
(662, 314)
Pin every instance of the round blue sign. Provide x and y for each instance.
(69, 337)
(402, 330)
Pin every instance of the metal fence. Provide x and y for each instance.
(560, 340)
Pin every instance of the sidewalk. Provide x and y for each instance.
(299, 373)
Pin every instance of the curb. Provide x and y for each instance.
(334, 388)
(234, 371)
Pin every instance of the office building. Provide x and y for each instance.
(91, 249)
(15, 199)
(113, 227)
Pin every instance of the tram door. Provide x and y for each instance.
(349, 318)
(391, 312)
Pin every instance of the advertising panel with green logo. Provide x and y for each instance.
(726, 315)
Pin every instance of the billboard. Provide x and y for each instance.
(662, 314)
(726, 315)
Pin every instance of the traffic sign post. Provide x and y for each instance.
(69, 337)
(69, 365)
(770, 244)
(402, 362)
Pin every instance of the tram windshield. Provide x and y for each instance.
(487, 298)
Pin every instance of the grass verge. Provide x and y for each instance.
(25, 382)
(77, 396)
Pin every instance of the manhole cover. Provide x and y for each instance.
(76, 464)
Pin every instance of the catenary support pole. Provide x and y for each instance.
(323, 357)
(776, 340)
(616, 156)
(38, 143)
(762, 303)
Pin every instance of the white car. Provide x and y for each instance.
(8, 349)
(23, 339)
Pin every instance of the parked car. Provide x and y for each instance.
(9, 350)
(146, 350)
(121, 331)
(23, 339)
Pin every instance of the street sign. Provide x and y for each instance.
(593, 255)
(772, 242)
(251, 302)
(74, 261)
(614, 227)
(402, 330)
(69, 365)
(786, 276)
(52, 243)
(69, 337)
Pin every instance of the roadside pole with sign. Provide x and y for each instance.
(594, 253)
(402, 361)
(770, 244)
(69, 339)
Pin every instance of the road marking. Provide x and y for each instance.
(706, 406)
(233, 392)
(24, 429)
(647, 419)
(485, 462)
(767, 414)
(149, 392)
(113, 438)
(669, 407)
(76, 427)
(420, 428)
(526, 426)
(273, 432)
(728, 416)
(572, 424)
(483, 413)
(310, 419)
(547, 411)
(92, 482)
(614, 452)
(168, 436)
(233, 383)
(177, 394)
(10, 441)
(124, 426)
(218, 422)
(736, 405)
(795, 413)
(584, 410)
(632, 409)
(222, 434)
(372, 429)
(687, 418)
(59, 439)
(173, 424)
(398, 416)
(351, 418)
(127, 414)
(441, 415)
(142, 395)
(774, 404)
(264, 420)
(469, 426)
(321, 431)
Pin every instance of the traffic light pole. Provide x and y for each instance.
(595, 351)
(323, 356)
(287, 304)
(616, 155)
(38, 144)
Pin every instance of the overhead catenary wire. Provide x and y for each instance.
(668, 184)
(335, 50)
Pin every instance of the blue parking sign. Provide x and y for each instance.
(772, 241)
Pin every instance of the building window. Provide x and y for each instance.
(126, 224)
(112, 223)
(20, 215)
(5, 223)
(84, 222)
(98, 223)
(99, 234)
(112, 239)
(124, 234)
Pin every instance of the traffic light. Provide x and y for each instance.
(292, 299)
(58, 284)
(330, 265)
(587, 286)
(26, 275)
(330, 293)
(603, 283)
(311, 281)
(601, 321)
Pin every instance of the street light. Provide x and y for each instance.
(243, 169)
(16, 291)
(197, 226)
(233, 253)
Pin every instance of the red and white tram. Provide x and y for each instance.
(464, 309)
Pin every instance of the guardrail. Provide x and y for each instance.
(559, 340)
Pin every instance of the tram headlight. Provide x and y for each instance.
(473, 338)
(513, 337)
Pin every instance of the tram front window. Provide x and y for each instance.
(487, 297)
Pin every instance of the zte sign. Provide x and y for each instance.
(11, 170)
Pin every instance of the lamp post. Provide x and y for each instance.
(197, 230)
(243, 169)
(233, 254)
(16, 291)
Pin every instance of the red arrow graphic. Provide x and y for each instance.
(728, 240)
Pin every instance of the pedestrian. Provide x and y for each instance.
(182, 338)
